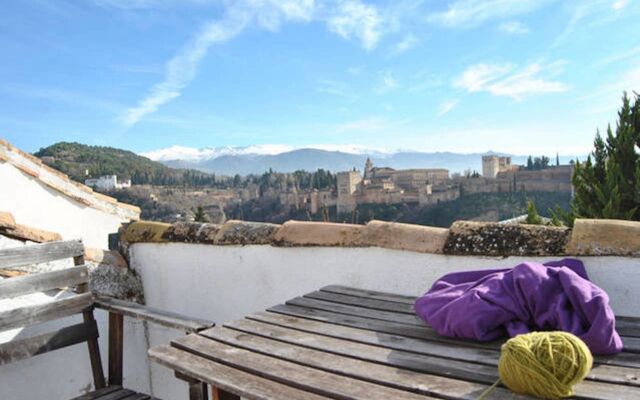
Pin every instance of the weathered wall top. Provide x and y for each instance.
(60, 182)
(588, 237)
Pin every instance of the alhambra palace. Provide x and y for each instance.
(428, 186)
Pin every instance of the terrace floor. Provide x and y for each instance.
(347, 343)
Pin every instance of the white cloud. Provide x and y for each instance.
(470, 13)
(622, 56)
(447, 106)
(336, 88)
(408, 42)
(142, 4)
(514, 28)
(620, 4)
(353, 19)
(387, 82)
(182, 68)
(506, 80)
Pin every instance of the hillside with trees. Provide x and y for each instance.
(81, 161)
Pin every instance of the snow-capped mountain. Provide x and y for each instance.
(257, 159)
(181, 153)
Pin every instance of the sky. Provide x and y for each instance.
(517, 76)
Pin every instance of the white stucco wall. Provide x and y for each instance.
(223, 283)
(35, 204)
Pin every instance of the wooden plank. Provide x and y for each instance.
(407, 331)
(421, 345)
(25, 348)
(358, 311)
(161, 317)
(446, 363)
(92, 344)
(370, 294)
(97, 393)
(40, 253)
(116, 348)
(138, 396)
(309, 352)
(227, 378)
(395, 328)
(305, 378)
(628, 326)
(44, 281)
(451, 349)
(23, 316)
(117, 395)
(374, 304)
(586, 390)
(631, 344)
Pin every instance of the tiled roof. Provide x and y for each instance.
(588, 237)
(9, 228)
(60, 182)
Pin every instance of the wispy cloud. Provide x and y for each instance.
(620, 4)
(408, 42)
(182, 68)
(369, 125)
(336, 88)
(354, 19)
(621, 56)
(142, 4)
(71, 98)
(470, 13)
(507, 80)
(387, 82)
(350, 19)
(447, 106)
(514, 28)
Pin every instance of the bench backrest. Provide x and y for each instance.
(81, 302)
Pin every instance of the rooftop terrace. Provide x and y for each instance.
(225, 272)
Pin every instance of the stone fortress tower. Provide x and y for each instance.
(492, 165)
(347, 183)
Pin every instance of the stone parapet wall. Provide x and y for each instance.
(588, 237)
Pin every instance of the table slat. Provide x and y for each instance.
(380, 372)
(292, 374)
(225, 377)
(370, 294)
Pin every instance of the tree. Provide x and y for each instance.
(200, 215)
(607, 184)
(557, 160)
(529, 163)
(532, 214)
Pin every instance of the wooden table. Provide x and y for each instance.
(347, 343)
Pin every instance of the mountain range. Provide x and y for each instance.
(258, 159)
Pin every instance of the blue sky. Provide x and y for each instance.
(522, 76)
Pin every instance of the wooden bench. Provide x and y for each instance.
(82, 301)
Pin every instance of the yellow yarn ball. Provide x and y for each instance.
(544, 364)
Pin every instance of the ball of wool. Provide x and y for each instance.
(544, 364)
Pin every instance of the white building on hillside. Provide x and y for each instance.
(107, 182)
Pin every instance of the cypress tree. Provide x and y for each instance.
(607, 184)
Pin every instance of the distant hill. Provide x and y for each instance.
(310, 159)
(81, 161)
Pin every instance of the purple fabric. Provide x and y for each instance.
(489, 304)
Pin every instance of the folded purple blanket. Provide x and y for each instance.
(489, 304)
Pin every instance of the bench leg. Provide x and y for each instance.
(116, 342)
(219, 394)
(198, 390)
